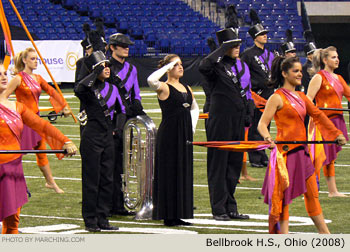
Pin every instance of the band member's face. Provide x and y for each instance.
(105, 73)
(262, 39)
(233, 52)
(291, 54)
(89, 51)
(31, 61)
(294, 74)
(309, 56)
(332, 61)
(121, 52)
(178, 70)
(3, 78)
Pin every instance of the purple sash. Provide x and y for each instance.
(13, 120)
(33, 85)
(335, 83)
(296, 102)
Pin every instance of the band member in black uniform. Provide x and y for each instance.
(124, 77)
(98, 98)
(227, 115)
(288, 49)
(309, 49)
(94, 41)
(259, 61)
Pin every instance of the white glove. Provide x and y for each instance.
(153, 79)
(194, 114)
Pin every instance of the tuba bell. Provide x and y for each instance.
(138, 160)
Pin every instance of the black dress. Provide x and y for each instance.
(173, 174)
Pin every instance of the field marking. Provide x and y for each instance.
(195, 185)
(204, 219)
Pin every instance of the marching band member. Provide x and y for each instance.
(173, 174)
(99, 99)
(328, 89)
(293, 173)
(227, 117)
(28, 87)
(259, 60)
(124, 77)
(309, 49)
(13, 188)
(287, 48)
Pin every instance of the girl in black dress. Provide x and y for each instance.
(173, 175)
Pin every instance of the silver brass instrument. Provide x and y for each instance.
(138, 161)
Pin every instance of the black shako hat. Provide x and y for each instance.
(256, 28)
(228, 35)
(95, 59)
(310, 45)
(309, 48)
(120, 39)
(288, 46)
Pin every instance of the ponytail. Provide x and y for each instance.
(18, 60)
(317, 59)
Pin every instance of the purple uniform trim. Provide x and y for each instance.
(245, 79)
(132, 81)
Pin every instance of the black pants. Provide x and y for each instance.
(253, 135)
(97, 155)
(224, 167)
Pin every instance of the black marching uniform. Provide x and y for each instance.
(227, 114)
(306, 76)
(131, 107)
(97, 149)
(259, 62)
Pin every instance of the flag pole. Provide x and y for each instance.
(31, 151)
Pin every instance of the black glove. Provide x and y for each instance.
(137, 108)
(217, 55)
(119, 125)
(98, 69)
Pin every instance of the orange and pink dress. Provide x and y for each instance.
(291, 172)
(330, 95)
(28, 93)
(13, 188)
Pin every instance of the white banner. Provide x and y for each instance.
(60, 57)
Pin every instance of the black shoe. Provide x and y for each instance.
(92, 228)
(256, 165)
(182, 223)
(123, 212)
(170, 222)
(265, 163)
(236, 215)
(221, 217)
(103, 224)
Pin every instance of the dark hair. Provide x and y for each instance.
(281, 64)
(167, 60)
